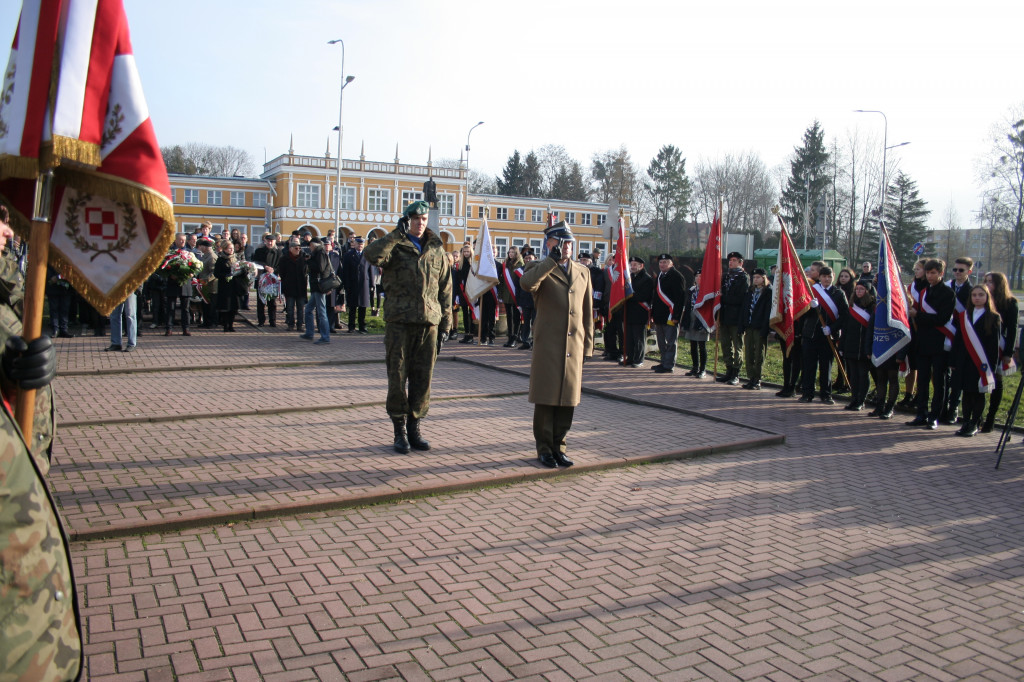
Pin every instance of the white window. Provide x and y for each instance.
(189, 228)
(214, 197)
(469, 211)
(257, 235)
(500, 247)
(520, 214)
(537, 215)
(585, 219)
(348, 198)
(191, 196)
(585, 246)
(259, 199)
(602, 247)
(501, 213)
(237, 198)
(446, 204)
(378, 199)
(535, 245)
(601, 218)
(409, 196)
(307, 196)
(481, 212)
(244, 229)
(570, 218)
(518, 242)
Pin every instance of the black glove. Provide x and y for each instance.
(403, 226)
(556, 252)
(441, 338)
(31, 365)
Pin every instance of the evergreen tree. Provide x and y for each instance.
(905, 216)
(533, 180)
(568, 183)
(669, 189)
(513, 180)
(808, 181)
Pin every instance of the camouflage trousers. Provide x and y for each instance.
(410, 351)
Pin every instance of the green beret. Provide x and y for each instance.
(417, 208)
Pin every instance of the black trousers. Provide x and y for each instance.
(513, 320)
(183, 302)
(636, 344)
(859, 372)
(931, 371)
(887, 385)
(792, 364)
(817, 359)
(353, 313)
(468, 324)
(488, 308)
(551, 424)
(527, 326)
(699, 355)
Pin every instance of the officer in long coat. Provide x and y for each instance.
(563, 336)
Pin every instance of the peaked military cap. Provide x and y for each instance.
(559, 230)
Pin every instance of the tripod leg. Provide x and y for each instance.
(1011, 416)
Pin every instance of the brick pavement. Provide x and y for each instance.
(857, 549)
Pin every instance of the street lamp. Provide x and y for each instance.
(345, 80)
(885, 148)
(467, 174)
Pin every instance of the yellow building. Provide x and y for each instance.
(301, 192)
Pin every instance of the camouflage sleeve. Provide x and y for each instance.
(444, 297)
(379, 251)
(536, 272)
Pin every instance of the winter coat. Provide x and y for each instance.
(508, 296)
(760, 315)
(812, 319)
(735, 284)
(267, 256)
(673, 287)
(229, 287)
(332, 296)
(319, 266)
(857, 339)
(563, 331)
(1009, 314)
(930, 339)
(293, 271)
(695, 330)
(987, 329)
(357, 277)
(638, 306)
(417, 284)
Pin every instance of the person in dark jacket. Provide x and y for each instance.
(334, 295)
(267, 255)
(667, 307)
(357, 277)
(510, 270)
(975, 355)
(231, 282)
(735, 284)
(855, 343)
(319, 268)
(460, 277)
(524, 299)
(293, 271)
(825, 322)
(637, 314)
(756, 311)
(1009, 312)
(936, 309)
(612, 333)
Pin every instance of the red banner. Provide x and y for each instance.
(791, 296)
(709, 296)
(622, 287)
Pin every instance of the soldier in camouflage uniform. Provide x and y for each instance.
(417, 284)
(41, 631)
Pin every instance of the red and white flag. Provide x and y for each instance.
(77, 107)
(621, 287)
(709, 295)
(791, 296)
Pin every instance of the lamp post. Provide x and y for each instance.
(466, 236)
(885, 148)
(345, 80)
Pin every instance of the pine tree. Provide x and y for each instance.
(513, 180)
(905, 218)
(568, 183)
(808, 181)
(532, 177)
(669, 189)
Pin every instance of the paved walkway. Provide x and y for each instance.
(855, 549)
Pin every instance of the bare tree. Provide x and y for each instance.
(199, 158)
(1002, 173)
(615, 176)
(479, 182)
(744, 184)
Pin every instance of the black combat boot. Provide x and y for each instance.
(401, 441)
(412, 426)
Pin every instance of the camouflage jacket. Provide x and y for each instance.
(12, 295)
(41, 630)
(417, 286)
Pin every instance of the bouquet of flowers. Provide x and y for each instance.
(249, 268)
(270, 287)
(182, 265)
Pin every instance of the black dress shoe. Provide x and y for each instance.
(786, 393)
(561, 460)
(917, 421)
(112, 347)
(807, 398)
(967, 432)
(526, 346)
(948, 421)
(547, 460)
(735, 381)
(828, 401)
(932, 424)
(700, 375)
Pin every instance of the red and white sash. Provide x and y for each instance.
(916, 294)
(959, 306)
(948, 330)
(1007, 366)
(665, 299)
(509, 282)
(826, 302)
(976, 352)
(862, 316)
(465, 301)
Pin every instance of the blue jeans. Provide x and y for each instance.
(131, 329)
(318, 302)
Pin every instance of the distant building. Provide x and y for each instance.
(951, 244)
(297, 191)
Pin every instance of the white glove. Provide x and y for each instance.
(814, 303)
(828, 332)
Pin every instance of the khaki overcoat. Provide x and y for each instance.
(563, 331)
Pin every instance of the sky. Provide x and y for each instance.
(711, 78)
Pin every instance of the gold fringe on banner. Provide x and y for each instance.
(18, 167)
(62, 149)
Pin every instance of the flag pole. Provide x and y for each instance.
(35, 289)
(715, 368)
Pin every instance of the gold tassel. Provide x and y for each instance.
(62, 149)
(18, 167)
